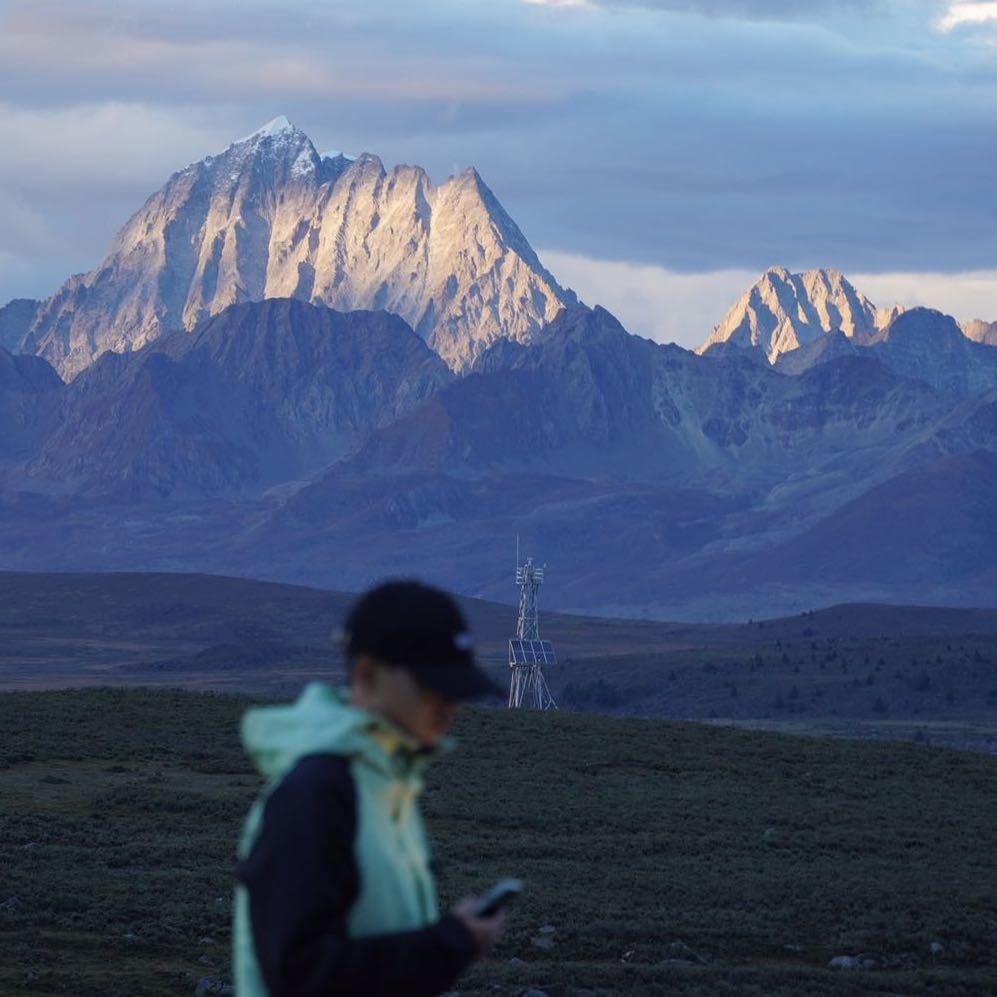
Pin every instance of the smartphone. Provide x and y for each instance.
(498, 896)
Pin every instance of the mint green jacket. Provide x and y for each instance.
(397, 891)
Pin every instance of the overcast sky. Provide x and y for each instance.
(658, 153)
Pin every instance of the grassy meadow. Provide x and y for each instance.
(901, 672)
(668, 858)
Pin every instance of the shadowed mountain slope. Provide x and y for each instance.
(30, 393)
(589, 399)
(285, 440)
(932, 525)
(259, 394)
(921, 344)
(929, 345)
(16, 318)
(628, 463)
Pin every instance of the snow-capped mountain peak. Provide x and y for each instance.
(275, 128)
(270, 218)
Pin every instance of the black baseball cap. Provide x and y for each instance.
(420, 628)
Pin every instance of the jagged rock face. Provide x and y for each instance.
(981, 332)
(784, 311)
(16, 318)
(270, 218)
(260, 394)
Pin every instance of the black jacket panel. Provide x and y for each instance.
(302, 880)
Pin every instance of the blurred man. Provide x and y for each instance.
(335, 894)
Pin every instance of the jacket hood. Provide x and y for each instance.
(321, 721)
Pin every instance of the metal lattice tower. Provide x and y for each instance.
(527, 652)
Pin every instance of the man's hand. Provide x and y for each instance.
(485, 930)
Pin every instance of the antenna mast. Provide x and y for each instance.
(527, 652)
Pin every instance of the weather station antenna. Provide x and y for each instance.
(528, 654)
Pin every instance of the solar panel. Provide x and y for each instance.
(531, 652)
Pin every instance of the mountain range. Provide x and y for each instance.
(307, 368)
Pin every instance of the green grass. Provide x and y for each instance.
(756, 857)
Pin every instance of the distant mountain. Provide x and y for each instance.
(30, 391)
(931, 526)
(783, 311)
(623, 458)
(970, 427)
(270, 218)
(828, 347)
(661, 411)
(981, 332)
(922, 344)
(258, 395)
(15, 319)
(583, 398)
(798, 321)
(290, 441)
(930, 346)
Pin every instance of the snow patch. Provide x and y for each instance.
(303, 165)
(272, 129)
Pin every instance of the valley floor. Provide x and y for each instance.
(659, 857)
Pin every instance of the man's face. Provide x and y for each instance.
(394, 693)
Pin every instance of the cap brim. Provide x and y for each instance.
(457, 683)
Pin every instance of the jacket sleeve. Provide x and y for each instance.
(302, 879)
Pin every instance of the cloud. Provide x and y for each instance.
(761, 10)
(967, 295)
(100, 144)
(707, 144)
(683, 308)
(70, 177)
(185, 51)
(962, 13)
(651, 301)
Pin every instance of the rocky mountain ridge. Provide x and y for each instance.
(270, 218)
(784, 311)
(796, 321)
(289, 441)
